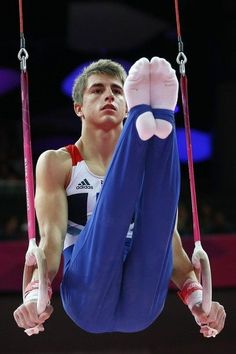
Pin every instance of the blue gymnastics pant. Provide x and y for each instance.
(100, 291)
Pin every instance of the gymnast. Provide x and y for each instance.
(109, 205)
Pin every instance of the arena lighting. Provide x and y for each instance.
(201, 145)
(68, 82)
(9, 80)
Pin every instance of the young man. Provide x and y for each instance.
(119, 234)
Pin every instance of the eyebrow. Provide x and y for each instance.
(99, 85)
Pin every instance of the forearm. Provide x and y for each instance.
(182, 266)
(52, 246)
(180, 276)
(51, 211)
(51, 243)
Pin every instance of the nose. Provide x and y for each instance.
(109, 96)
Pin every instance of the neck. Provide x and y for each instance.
(97, 146)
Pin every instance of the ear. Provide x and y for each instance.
(77, 109)
(126, 111)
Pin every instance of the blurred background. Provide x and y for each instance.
(61, 38)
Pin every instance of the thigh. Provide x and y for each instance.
(148, 267)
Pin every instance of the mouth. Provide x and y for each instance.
(108, 107)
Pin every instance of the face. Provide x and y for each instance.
(104, 103)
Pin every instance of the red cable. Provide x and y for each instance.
(21, 17)
(28, 161)
(177, 18)
(184, 92)
(34, 254)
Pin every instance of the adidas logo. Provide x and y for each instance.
(84, 185)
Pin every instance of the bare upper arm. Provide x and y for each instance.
(52, 171)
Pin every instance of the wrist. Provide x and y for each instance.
(31, 293)
(191, 293)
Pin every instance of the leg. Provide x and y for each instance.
(149, 264)
(91, 283)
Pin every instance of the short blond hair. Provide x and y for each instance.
(102, 66)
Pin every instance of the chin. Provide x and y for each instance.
(111, 119)
(110, 123)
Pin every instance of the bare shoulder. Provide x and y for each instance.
(53, 165)
(52, 156)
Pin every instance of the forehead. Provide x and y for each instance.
(103, 79)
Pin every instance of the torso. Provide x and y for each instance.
(82, 191)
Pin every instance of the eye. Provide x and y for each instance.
(117, 91)
(97, 90)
